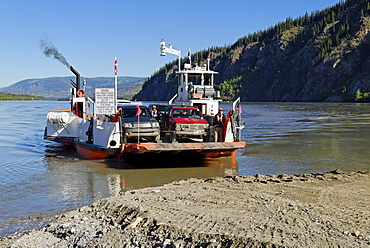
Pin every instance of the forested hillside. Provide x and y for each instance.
(59, 87)
(18, 97)
(319, 56)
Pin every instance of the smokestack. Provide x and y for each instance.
(73, 70)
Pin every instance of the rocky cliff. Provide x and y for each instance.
(323, 56)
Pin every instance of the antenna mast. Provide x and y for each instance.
(169, 49)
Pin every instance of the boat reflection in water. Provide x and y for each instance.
(85, 181)
(123, 176)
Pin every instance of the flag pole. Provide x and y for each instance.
(189, 56)
(138, 112)
(115, 80)
(84, 84)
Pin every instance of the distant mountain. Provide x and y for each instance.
(321, 56)
(59, 87)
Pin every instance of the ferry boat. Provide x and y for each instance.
(100, 129)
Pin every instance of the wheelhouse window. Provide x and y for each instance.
(195, 79)
(207, 79)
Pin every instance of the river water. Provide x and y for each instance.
(40, 179)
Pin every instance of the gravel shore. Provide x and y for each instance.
(307, 210)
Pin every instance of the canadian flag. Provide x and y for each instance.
(138, 111)
(115, 66)
(240, 111)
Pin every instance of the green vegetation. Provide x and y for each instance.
(362, 97)
(18, 97)
(232, 87)
(229, 88)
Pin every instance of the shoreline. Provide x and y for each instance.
(303, 210)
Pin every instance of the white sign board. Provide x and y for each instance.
(104, 101)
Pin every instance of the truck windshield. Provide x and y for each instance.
(128, 112)
(186, 113)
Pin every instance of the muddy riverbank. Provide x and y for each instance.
(306, 210)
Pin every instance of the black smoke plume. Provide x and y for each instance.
(51, 51)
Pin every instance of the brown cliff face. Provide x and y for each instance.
(160, 87)
(322, 57)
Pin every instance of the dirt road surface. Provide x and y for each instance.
(308, 210)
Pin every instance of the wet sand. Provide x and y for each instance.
(307, 210)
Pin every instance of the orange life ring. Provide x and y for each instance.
(80, 93)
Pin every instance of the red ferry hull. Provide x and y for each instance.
(208, 149)
(88, 151)
(205, 149)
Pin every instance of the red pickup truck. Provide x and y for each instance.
(184, 122)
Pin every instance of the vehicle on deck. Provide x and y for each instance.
(138, 123)
(184, 122)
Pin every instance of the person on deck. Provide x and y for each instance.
(218, 123)
(154, 112)
(116, 115)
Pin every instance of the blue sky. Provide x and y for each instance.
(91, 33)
